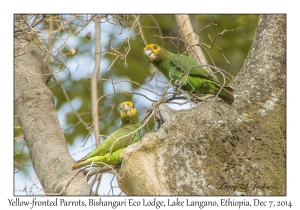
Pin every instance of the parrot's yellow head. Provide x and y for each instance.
(151, 51)
(128, 112)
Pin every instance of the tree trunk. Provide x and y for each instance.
(34, 106)
(220, 149)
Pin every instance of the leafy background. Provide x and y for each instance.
(74, 49)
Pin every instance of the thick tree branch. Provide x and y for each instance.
(34, 105)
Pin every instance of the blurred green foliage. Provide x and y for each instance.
(75, 77)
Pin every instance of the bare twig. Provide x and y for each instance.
(32, 25)
(64, 25)
(188, 34)
(68, 99)
(35, 73)
(141, 30)
(93, 171)
(98, 177)
(94, 81)
(128, 37)
(159, 29)
(86, 24)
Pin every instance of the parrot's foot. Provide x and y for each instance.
(195, 97)
(177, 87)
(178, 83)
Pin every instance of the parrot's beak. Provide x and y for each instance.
(149, 54)
(127, 109)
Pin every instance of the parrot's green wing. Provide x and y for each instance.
(100, 161)
(122, 137)
(118, 140)
(187, 64)
(191, 76)
(109, 159)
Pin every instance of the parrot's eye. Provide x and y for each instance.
(155, 47)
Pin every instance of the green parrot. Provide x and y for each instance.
(186, 72)
(111, 149)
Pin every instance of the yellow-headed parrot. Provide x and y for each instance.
(111, 149)
(182, 70)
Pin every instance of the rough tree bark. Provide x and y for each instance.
(34, 106)
(220, 149)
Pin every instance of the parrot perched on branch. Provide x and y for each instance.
(111, 149)
(186, 73)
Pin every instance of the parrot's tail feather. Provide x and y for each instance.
(76, 165)
(230, 89)
(228, 96)
(80, 163)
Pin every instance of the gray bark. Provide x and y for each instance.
(220, 149)
(34, 106)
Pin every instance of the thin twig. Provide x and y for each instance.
(38, 22)
(32, 25)
(188, 34)
(141, 30)
(35, 73)
(94, 80)
(128, 37)
(93, 171)
(65, 24)
(34, 19)
(96, 177)
(85, 24)
(68, 99)
(159, 29)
